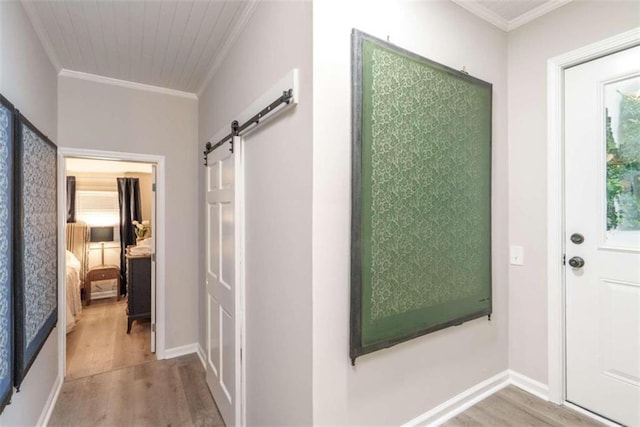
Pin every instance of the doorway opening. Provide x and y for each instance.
(111, 235)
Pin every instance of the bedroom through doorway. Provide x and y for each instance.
(110, 238)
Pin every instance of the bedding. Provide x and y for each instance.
(74, 305)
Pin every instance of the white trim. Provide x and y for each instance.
(45, 415)
(462, 401)
(536, 13)
(507, 25)
(239, 205)
(228, 43)
(125, 83)
(62, 267)
(182, 350)
(200, 352)
(160, 237)
(484, 13)
(555, 198)
(590, 414)
(288, 81)
(45, 41)
(529, 385)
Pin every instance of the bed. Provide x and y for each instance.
(73, 287)
(77, 260)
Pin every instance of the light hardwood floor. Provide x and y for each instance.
(158, 393)
(99, 342)
(512, 407)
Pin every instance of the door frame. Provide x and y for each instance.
(159, 161)
(556, 66)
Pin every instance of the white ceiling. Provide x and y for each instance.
(105, 166)
(174, 44)
(510, 14)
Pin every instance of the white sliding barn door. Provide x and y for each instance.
(223, 274)
(602, 169)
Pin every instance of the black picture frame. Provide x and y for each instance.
(357, 347)
(35, 243)
(7, 126)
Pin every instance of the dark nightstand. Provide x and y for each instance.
(138, 288)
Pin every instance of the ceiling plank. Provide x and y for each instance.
(150, 36)
(75, 11)
(120, 39)
(109, 37)
(92, 23)
(137, 12)
(59, 13)
(50, 30)
(230, 34)
(190, 34)
(180, 21)
(204, 39)
(165, 26)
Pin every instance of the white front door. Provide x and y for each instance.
(223, 185)
(602, 196)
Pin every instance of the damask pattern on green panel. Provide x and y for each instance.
(425, 196)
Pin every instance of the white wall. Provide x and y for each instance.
(570, 27)
(101, 116)
(393, 386)
(28, 80)
(278, 209)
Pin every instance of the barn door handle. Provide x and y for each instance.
(576, 262)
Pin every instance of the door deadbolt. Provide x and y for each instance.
(576, 262)
(577, 238)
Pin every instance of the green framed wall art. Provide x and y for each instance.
(421, 196)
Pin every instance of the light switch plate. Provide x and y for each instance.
(516, 255)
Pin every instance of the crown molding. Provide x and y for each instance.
(484, 13)
(228, 42)
(125, 83)
(41, 33)
(509, 25)
(543, 9)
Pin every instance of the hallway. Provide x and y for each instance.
(157, 393)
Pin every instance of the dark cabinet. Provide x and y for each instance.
(138, 289)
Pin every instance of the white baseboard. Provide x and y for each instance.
(475, 394)
(529, 385)
(183, 350)
(461, 402)
(51, 402)
(201, 356)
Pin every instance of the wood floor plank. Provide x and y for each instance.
(157, 393)
(202, 407)
(100, 343)
(554, 414)
(120, 408)
(513, 407)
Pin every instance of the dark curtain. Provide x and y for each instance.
(129, 203)
(71, 199)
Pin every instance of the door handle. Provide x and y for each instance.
(577, 238)
(576, 262)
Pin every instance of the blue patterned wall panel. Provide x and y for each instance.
(36, 263)
(6, 218)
